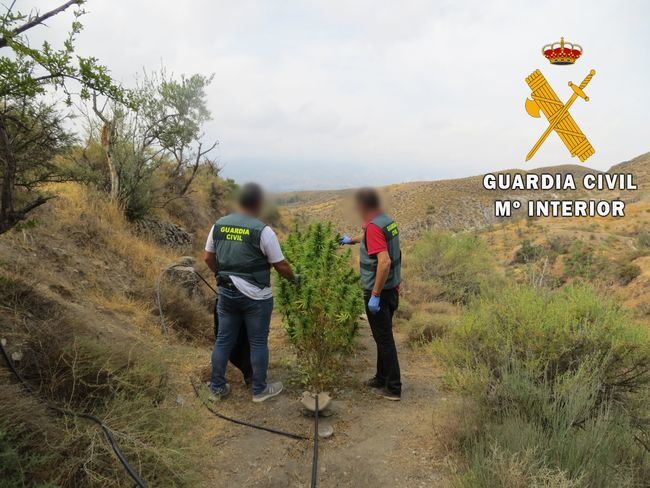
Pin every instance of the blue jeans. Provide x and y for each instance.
(236, 310)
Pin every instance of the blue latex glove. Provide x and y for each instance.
(373, 304)
(345, 240)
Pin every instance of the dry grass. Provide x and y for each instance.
(101, 228)
(122, 378)
(425, 325)
(190, 317)
(623, 267)
(137, 310)
(31, 446)
(89, 340)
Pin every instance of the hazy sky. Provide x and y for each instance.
(334, 93)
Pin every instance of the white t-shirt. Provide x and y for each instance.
(270, 246)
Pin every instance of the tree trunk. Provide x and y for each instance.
(7, 217)
(108, 136)
(190, 179)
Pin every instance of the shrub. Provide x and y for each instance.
(643, 240)
(124, 381)
(627, 272)
(415, 289)
(581, 262)
(555, 430)
(189, 316)
(129, 388)
(462, 264)
(426, 326)
(554, 332)
(136, 186)
(563, 378)
(405, 310)
(25, 460)
(528, 252)
(559, 245)
(321, 314)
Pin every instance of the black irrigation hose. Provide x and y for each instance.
(243, 422)
(69, 413)
(314, 468)
(206, 282)
(196, 390)
(314, 460)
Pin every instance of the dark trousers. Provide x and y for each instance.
(381, 325)
(240, 356)
(236, 312)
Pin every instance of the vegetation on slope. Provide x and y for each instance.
(77, 275)
(562, 377)
(460, 264)
(556, 375)
(125, 382)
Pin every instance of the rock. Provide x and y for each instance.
(186, 278)
(325, 431)
(16, 356)
(309, 401)
(164, 232)
(187, 261)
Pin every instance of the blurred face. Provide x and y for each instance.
(361, 209)
(252, 200)
(260, 207)
(257, 210)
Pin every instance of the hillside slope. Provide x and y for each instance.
(77, 293)
(77, 290)
(445, 204)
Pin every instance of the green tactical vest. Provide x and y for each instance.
(369, 263)
(237, 241)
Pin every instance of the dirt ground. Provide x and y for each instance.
(376, 442)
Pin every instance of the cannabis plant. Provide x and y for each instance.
(321, 313)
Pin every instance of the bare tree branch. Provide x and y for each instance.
(39, 19)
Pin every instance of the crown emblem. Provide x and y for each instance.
(562, 52)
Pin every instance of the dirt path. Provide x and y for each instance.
(376, 442)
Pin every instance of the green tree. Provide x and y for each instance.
(27, 72)
(321, 314)
(177, 108)
(166, 127)
(164, 132)
(35, 133)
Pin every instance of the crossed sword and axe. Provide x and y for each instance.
(533, 109)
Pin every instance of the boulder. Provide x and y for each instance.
(185, 277)
(164, 232)
(186, 261)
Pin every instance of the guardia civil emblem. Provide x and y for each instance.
(557, 114)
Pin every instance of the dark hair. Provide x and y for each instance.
(251, 196)
(368, 198)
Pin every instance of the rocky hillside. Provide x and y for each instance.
(445, 204)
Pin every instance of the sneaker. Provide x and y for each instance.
(374, 383)
(271, 390)
(384, 393)
(218, 394)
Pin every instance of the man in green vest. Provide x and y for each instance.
(241, 250)
(380, 261)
